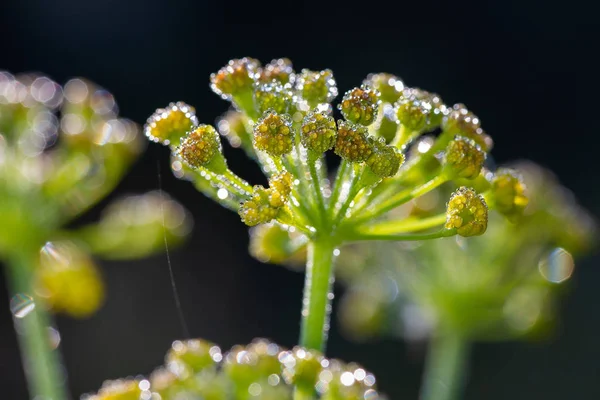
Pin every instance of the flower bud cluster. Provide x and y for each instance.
(62, 150)
(198, 369)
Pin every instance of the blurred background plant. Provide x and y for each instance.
(504, 285)
(197, 369)
(62, 150)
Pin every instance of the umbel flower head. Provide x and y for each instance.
(461, 121)
(273, 134)
(201, 147)
(62, 150)
(385, 160)
(353, 143)
(265, 204)
(285, 122)
(196, 368)
(508, 192)
(360, 105)
(236, 77)
(168, 125)
(464, 158)
(273, 96)
(279, 70)
(318, 132)
(390, 87)
(467, 212)
(316, 87)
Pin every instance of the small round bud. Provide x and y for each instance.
(255, 362)
(280, 187)
(68, 280)
(413, 113)
(466, 212)
(235, 77)
(385, 160)
(360, 105)
(461, 121)
(272, 243)
(464, 158)
(273, 134)
(168, 125)
(272, 96)
(509, 192)
(389, 86)
(318, 132)
(301, 366)
(438, 108)
(200, 146)
(192, 356)
(121, 389)
(316, 87)
(280, 70)
(346, 382)
(352, 143)
(258, 209)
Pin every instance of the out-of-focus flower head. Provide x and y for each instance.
(504, 284)
(198, 369)
(62, 150)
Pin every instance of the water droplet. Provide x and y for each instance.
(557, 266)
(222, 194)
(21, 305)
(54, 337)
(254, 389)
(144, 385)
(347, 378)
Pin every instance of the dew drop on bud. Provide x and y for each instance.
(222, 193)
(557, 266)
(21, 305)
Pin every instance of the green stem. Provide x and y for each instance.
(238, 182)
(337, 185)
(41, 363)
(445, 367)
(317, 289)
(413, 224)
(360, 236)
(404, 137)
(402, 198)
(318, 191)
(355, 187)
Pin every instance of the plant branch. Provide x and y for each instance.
(358, 236)
(444, 370)
(40, 361)
(402, 198)
(317, 289)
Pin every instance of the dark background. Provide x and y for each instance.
(514, 63)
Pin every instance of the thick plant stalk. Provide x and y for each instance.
(316, 305)
(444, 370)
(317, 298)
(41, 363)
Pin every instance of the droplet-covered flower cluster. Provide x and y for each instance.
(196, 369)
(62, 150)
(285, 121)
